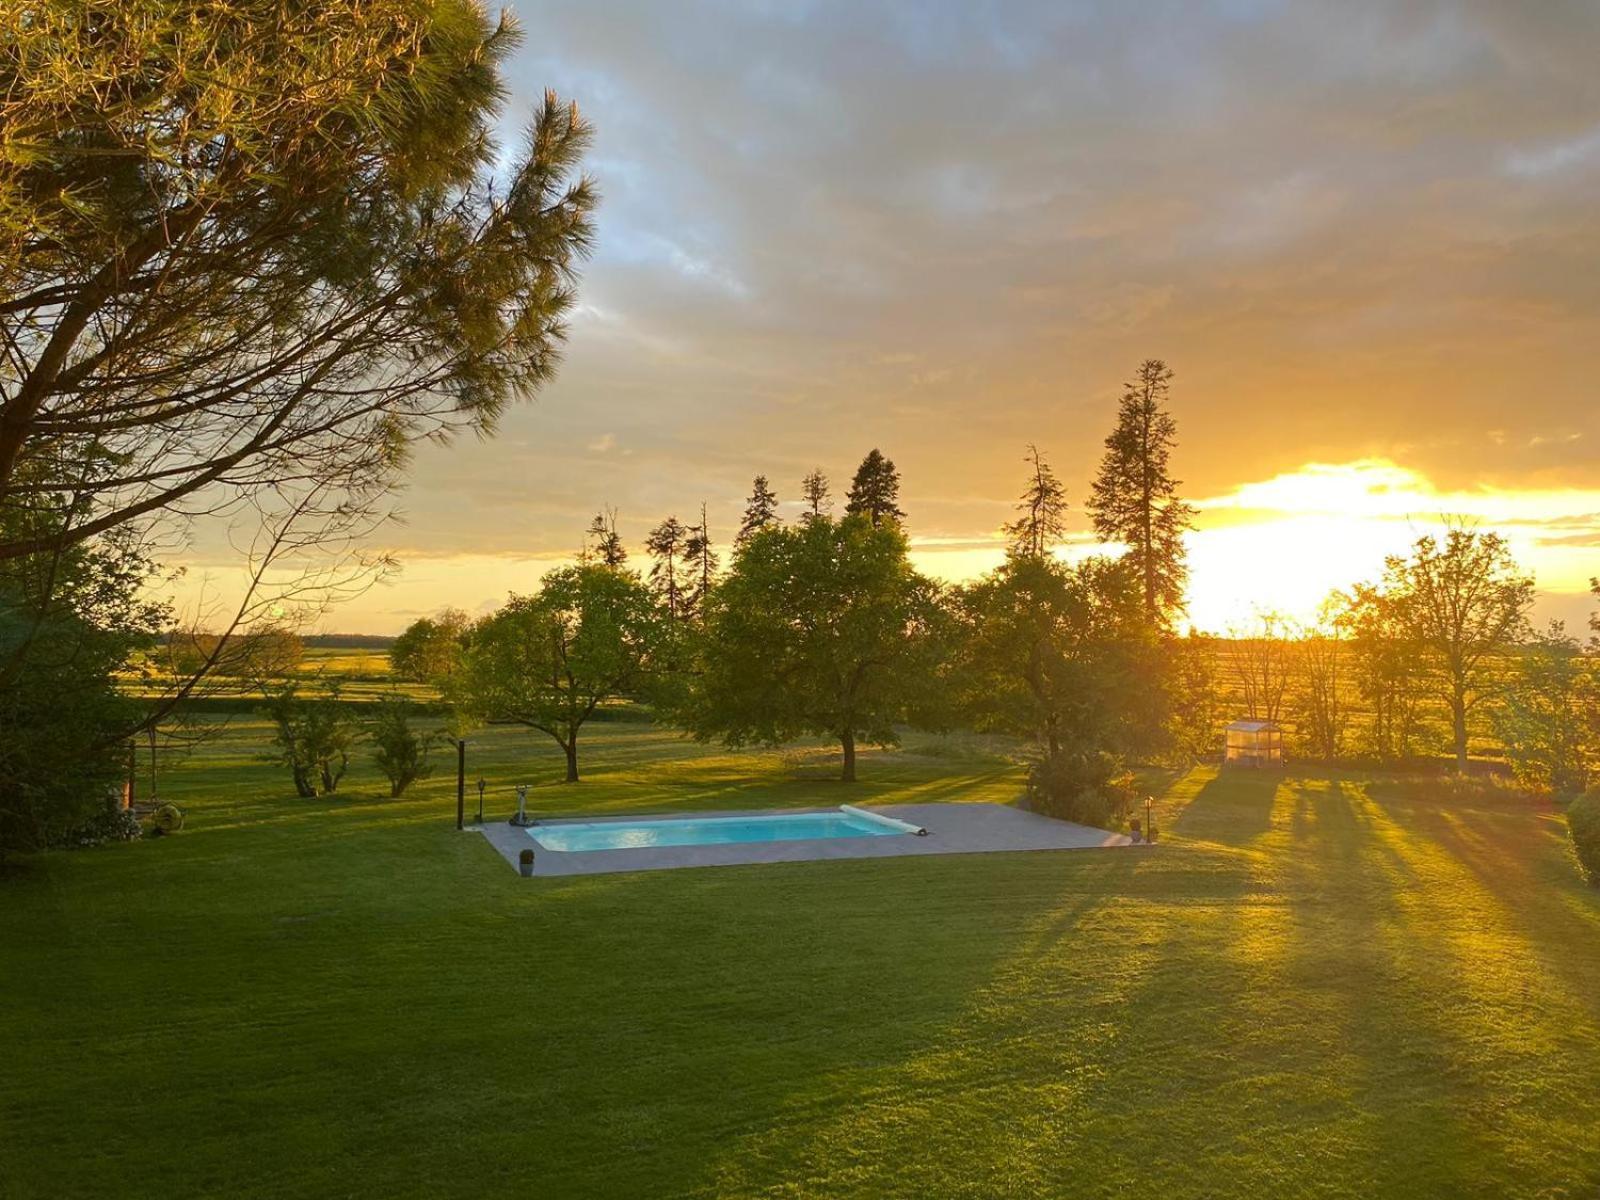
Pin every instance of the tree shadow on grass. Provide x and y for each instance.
(1232, 807)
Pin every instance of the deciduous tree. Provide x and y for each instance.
(818, 628)
(1464, 602)
(549, 660)
(1059, 653)
(430, 647)
(1543, 719)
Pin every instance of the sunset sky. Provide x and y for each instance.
(1364, 236)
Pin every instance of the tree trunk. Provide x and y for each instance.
(571, 747)
(1458, 716)
(847, 739)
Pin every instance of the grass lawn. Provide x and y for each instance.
(1319, 985)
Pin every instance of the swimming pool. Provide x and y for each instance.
(844, 822)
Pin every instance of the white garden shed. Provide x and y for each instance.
(1253, 744)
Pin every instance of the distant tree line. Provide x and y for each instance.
(821, 626)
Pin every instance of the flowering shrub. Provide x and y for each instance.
(111, 825)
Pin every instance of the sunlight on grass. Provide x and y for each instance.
(1315, 984)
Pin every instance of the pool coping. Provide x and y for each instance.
(956, 828)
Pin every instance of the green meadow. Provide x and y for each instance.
(1318, 984)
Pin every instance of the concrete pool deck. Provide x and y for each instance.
(952, 829)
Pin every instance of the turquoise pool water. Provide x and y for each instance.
(713, 831)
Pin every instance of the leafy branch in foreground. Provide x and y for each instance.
(255, 246)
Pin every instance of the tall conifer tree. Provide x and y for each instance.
(1043, 510)
(607, 546)
(700, 561)
(760, 511)
(875, 491)
(814, 491)
(1135, 499)
(665, 545)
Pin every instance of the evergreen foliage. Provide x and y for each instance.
(665, 545)
(1135, 498)
(605, 543)
(814, 494)
(700, 561)
(875, 491)
(760, 511)
(1042, 519)
(255, 250)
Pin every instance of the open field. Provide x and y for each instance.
(1318, 985)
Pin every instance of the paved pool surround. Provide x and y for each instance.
(952, 829)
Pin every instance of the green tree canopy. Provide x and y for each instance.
(70, 621)
(549, 660)
(1547, 718)
(258, 248)
(819, 628)
(1462, 602)
(429, 648)
(1059, 653)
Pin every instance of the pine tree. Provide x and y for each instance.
(665, 545)
(759, 512)
(814, 491)
(607, 547)
(1135, 499)
(1043, 508)
(875, 490)
(701, 561)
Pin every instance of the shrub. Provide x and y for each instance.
(401, 752)
(1091, 788)
(314, 736)
(1583, 822)
(112, 823)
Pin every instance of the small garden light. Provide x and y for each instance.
(482, 783)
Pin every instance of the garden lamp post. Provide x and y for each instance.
(482, 783)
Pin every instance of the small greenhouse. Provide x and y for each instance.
(1253, 744)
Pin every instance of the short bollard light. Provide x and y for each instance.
(525, 862)
(1149, 819)
(482, 783)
